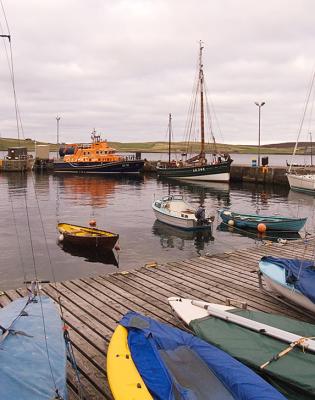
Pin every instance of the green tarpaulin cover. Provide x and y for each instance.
(292, 374)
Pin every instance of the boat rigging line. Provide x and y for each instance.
(11, 69)
(35, 287)
(303, 118)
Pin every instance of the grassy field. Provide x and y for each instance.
(161, 147)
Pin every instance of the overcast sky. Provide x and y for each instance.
(121, 66)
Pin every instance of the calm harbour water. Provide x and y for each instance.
(121, 205)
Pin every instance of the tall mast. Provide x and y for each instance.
(202, 117)
(169, 137)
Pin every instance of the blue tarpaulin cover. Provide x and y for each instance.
(24, 368)
(177, 365)
(300, 273)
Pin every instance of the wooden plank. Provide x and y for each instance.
(92, 306)
(219, 286)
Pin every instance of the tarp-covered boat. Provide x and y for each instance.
(174, 364)
(88, 237)
(32, 351)
(251, 221)
(292, 278)
(292, 374)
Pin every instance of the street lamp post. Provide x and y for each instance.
(259, 107)
(58, 119)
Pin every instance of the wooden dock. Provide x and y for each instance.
(92, 306)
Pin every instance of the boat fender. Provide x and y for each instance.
(92, 222)
(117, 247)
(230, 222)
(61, 237)
(261, 228)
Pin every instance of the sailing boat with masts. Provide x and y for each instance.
(303, 179)
(198, 167)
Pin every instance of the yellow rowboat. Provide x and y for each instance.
(88, 237)
(124, 379)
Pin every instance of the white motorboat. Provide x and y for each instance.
(173, 210)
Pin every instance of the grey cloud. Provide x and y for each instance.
(122, 66)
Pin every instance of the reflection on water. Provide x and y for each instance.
(121, 205)
(172, 237)
(94, 254)
(200, 191)
(93, 191)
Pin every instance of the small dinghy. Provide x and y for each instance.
(32, 351)
(88, 237)
(291, 278)
(150, 360)
(252, 221)
(280, 349)
(173, 210)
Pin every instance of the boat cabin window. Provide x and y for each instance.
(167, 198)
(157, 204)
(178, 197)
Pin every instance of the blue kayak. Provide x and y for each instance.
(32, 368)
(251, 221)
(176, 365)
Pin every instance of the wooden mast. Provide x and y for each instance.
(202, 118)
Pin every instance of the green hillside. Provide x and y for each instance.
(161, 147)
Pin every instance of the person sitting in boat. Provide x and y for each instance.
(200, 214)
(227, 157)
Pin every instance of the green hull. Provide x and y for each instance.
(205, 171)
(293, 374)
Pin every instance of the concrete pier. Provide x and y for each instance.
(265, 175)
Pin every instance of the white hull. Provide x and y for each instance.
(224, 177)
(304, 183)
(292, 295)
(187, 311)
(174, 221)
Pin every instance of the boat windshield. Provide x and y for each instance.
(172, 197)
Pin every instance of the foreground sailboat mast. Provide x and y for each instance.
(202, 119)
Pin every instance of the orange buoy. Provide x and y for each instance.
(261, 228)
(92, 222)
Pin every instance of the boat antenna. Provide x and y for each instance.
(169, 137)
(311, 148)
(202, 117)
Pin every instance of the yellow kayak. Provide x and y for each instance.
(124, 379)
